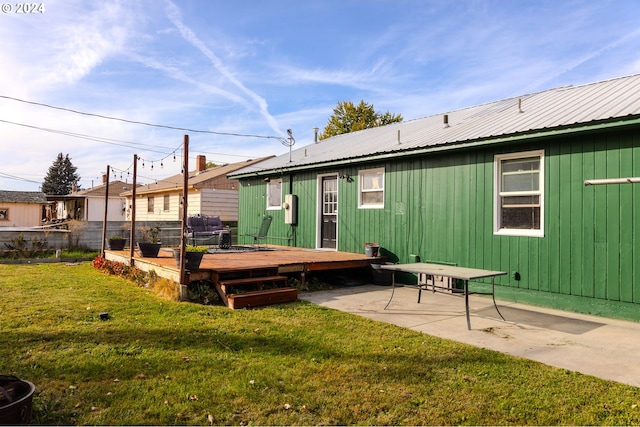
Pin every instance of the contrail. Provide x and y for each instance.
(173, 14)
(588, 57)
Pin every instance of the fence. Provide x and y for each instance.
(81, 234)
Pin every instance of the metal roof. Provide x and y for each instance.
(560, 108)
(22, 197)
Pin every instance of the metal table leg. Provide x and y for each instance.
(466, 302)
(493, 295)
(393, 287)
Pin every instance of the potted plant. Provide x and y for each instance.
(150, 244)
(192, 257)
(117, 243)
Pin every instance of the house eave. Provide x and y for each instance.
(538, 134)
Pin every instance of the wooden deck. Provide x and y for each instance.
(220, 266)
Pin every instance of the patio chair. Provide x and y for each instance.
(262, 232)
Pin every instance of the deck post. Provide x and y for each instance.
(184, 281)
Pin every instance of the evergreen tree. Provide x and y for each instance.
(350, 118)
(61, 177)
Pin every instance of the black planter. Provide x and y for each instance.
(149, 250)
(18, 411)
(191, 261)
(117, 244)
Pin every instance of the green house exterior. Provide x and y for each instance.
(499, 186)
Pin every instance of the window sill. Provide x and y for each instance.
(518, 233)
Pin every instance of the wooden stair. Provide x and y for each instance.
(253, 287)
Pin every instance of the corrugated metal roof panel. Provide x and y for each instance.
(554, 108)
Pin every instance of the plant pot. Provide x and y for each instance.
(117, 244)
(19, 410)
(149, 250)
(192, 260)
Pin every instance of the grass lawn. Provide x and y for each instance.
(161, 362)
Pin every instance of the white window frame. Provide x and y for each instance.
(362, 190)
(498, 194)
(272, 185)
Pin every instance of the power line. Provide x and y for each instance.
(141, 123)
(17, 178)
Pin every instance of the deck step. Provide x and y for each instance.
(227, 285)
(265, 297)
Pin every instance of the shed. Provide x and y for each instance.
(497, 186)
(21, 208)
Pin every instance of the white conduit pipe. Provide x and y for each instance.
(612, 181)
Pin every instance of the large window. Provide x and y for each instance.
(150, 204)
(371, 185)
(274, 194)
(519, 194)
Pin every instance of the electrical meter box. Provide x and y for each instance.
(290, 206)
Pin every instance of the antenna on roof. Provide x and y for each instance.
(289, 142)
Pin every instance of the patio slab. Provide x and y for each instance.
(602, 347)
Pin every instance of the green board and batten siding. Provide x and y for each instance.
(440, 206)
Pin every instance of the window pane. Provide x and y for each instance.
(521, 165)
(519, 201)
(373, 198)
(519, 181)
(372, 181)
(274, 194)
(527, 218)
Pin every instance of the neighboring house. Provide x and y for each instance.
(88, 205)
(499, 186)
(22, 208)
(210, 193)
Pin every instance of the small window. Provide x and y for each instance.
(167, 203)
(371, 188)
(4, 214)
(519, 194)
(150, 204)
(274, 194)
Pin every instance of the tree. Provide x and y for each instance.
(61, 177)
(349, 118)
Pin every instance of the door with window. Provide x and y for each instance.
(328, 211)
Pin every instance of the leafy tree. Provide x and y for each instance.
(350, 118)
(61, 177)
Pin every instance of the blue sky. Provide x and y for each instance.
(261, 67)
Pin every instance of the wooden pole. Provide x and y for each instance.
(132, 234)
(184, 281)
(106, 210)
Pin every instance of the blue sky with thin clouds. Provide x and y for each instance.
(262, 67)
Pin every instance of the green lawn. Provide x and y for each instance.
(161, 362)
